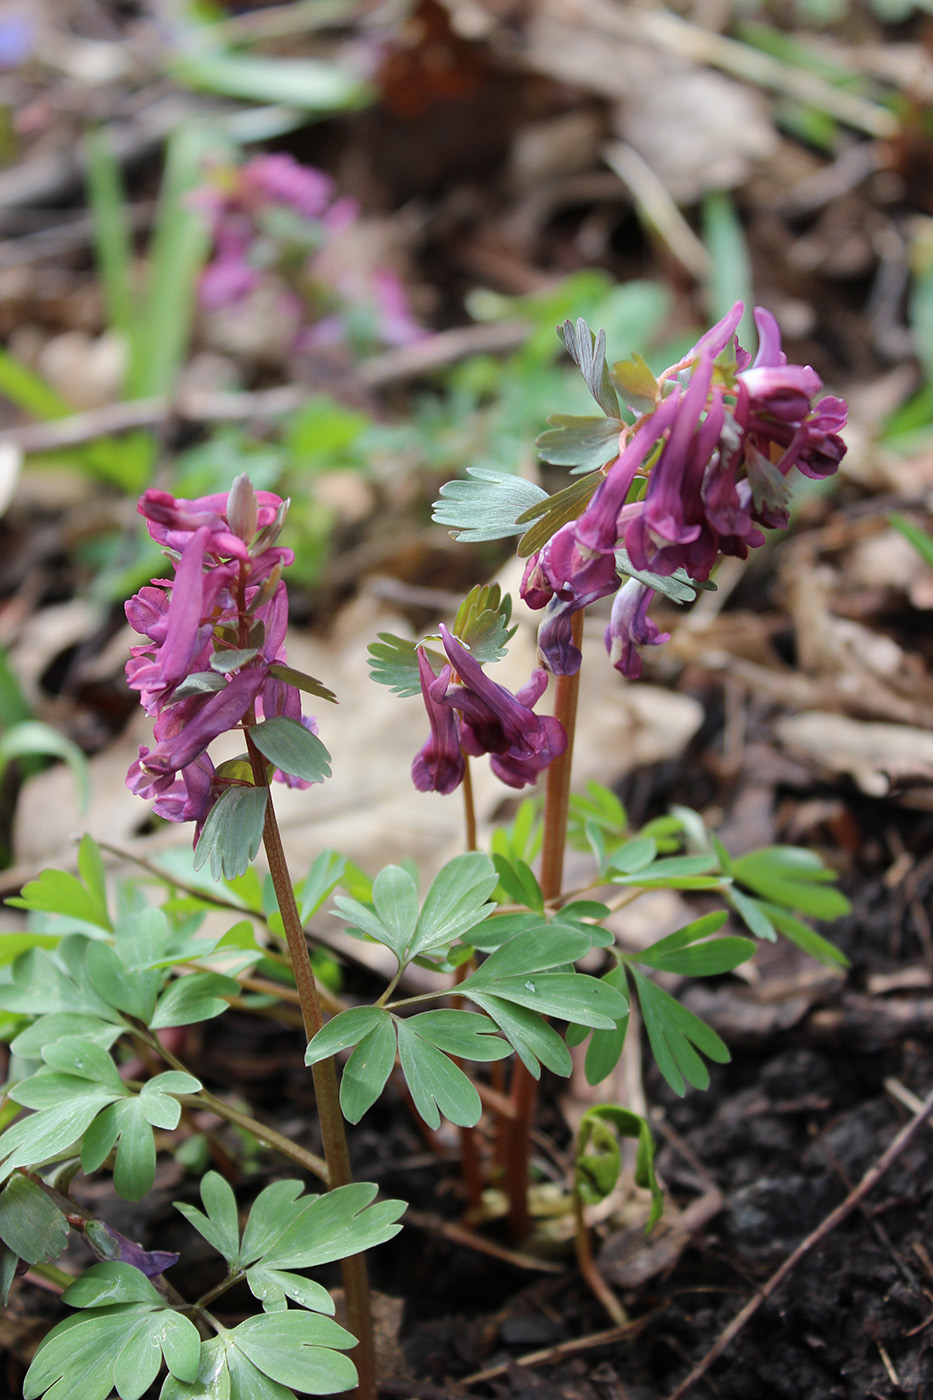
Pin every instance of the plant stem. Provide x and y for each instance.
(556, 808)
(277, 1141)
(324, 1073)
(469, 807)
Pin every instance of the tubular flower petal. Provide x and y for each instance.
(630, 628)
(439, 766)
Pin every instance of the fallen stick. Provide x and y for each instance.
(835, 1217)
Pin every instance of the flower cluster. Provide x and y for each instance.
(471, 714)
(716, 449)
(274, 217)
(214, 634)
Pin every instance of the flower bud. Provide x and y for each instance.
(242, 508)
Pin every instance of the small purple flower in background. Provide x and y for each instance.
(473, 715)
(226, 600)
(715, 450)
(275, 221)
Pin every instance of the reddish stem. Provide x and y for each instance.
(324, 1074)
(556, 808)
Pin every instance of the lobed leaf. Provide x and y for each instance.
(393, 661)
(580, 442)
(436, 1084)
(232, 834)
(588, 352)
(673, 1032)
(488, 506)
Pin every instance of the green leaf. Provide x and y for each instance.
(283, 1232)
(678, 586)
(135, 1164)
(690, 951)
(31, 1224)
(436, 1084)
(105, 1284)
(804, 936)
(82, 1057)
(605, 1048)
(297, 1349)
(573, 996)
(45, 1134)
(198, 683)
(57, 1026)
(486, 507)
(220, 1224)
(752, 913)
(635, 382)
(501, 928)
(302, 681)
(343, 1030)
(273, 1286)
(598, 1161)
(118, 1344)
(196, 997)
(292, 748)
(675, 873)
(543, 946)
(482, 623)
(634, 856)
(212, 1380)
(533, 1040)
(588, 352)
(393, 918)
(306, 83)
(366, 1071)
(129, 990)
(57, 892)
(580, 442)
(673, 1031)
(232, 833)
(456, 902)
(393, 661)
(9, 1263)
(319, 882)
(462, 1033)
(519, 883)
(557, 510)
(794, 878)
(231, 659)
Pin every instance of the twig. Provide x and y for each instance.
(463, 1235)
(835, 1217)
(562, 1349)
(391, 367)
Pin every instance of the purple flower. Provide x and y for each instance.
(439, 765)
(473, 715)
(226, 589)
(630, 628)
(495, 721)
(716, 450)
